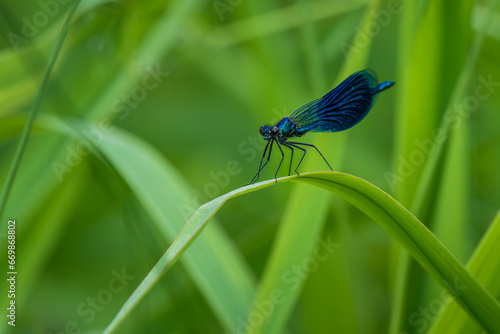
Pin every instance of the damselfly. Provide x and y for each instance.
(340, 109)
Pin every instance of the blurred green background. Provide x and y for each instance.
(190, 82)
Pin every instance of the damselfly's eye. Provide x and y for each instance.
(263, 130)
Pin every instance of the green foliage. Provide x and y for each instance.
(380, 207)
(119, 123)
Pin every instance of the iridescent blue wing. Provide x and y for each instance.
(341, 108)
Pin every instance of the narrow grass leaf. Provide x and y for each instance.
(214, 262)
(484, 264)
(34, 109)
(379, 206)
(278, 20)
(160, 39)
(420, 188)
(307, 208)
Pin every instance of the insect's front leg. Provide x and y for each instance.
(261, 166)
(282, 157)
(291, 156)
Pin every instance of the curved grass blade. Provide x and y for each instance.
(38, 180)
(484, 264)
(214, 263)
(375, 203)
(162, 34)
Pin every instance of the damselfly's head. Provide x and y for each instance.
(269, 132)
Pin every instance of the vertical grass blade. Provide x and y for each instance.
(161, 38)
(35, 107)
(410, 282)
(305, 214)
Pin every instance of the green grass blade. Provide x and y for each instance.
(37, 179)
(44, 237)
(457, 97)
(41, 178)
(41, 241)
(160, 39)
(425, 176)
(302, 219)
(305, 212)
(380, 207)
(34, 108)
(420, 82)
(214, 262)
(484, 264)
(278, 20)
(22, 66)
(422, 245)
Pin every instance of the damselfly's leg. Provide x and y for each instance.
(291, 157)
(282, 157)
(311, 145)
(303, 155)
(256, 177)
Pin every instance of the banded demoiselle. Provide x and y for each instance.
(340, 109)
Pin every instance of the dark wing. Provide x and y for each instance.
(341, 108)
